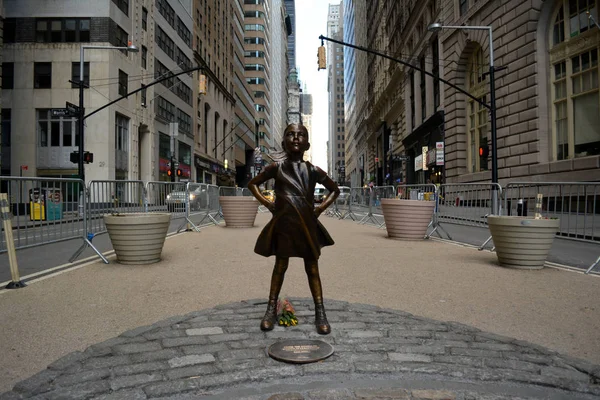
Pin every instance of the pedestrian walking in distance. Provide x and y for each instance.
(294, 230)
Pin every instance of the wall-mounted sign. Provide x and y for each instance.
(439, 155)
(424, 150)
(419, 162)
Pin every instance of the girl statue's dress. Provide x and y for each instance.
(294, 230)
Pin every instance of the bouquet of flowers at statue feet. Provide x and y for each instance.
(286, 311)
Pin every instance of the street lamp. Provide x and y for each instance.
(130, 48)
(437, 27)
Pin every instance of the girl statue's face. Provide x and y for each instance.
(295, 139)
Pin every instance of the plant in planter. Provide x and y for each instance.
(239, 211)
(523, 242)
(137, 238)
(407, 219)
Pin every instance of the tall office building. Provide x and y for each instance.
(290, 7)
(258, 66)
(40, 72)
(281, 28)
(171, 51)
(336, 155)
(355, 89)
(306, 111)
(215, 157)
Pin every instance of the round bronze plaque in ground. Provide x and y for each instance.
(300, 351)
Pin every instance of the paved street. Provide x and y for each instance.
(188, 326)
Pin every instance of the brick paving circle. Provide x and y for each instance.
(379, 354)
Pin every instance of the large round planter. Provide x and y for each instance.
(239, 211)
(407, 219)
(137, 238)
(522, 242)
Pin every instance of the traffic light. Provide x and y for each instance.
(321, 58)
(179, 172)
(88, 157)
(202, 84)
(484, 151)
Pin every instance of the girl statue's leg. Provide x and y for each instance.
(268, 321)
(314, 281)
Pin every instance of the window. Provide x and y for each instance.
(144, 18)
(412, 101)
(435, 54)
(165, 42)
(144, 57)
(423, 91)
(75, 74)
(165, 109)
(58, 30)
(6, 127)
(143, 94)
(10, 30)
(121, 132)
(8, 75)
(122, 83)
(254, 27)
(477, 115)
(123, 5)
(56, 131)
(121, 38)
(254, 40)
(185, 153)
(166, 11)
(42, 75)
(184, 32)
(574, 81)
(463, 6)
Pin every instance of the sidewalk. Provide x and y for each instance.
(203, 287)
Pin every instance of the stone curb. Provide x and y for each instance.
(212, 351)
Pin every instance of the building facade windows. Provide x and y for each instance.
(144, 57)
(122, 83)
(42, 75)
(165, 109)
(254, 40)
(56, 131)
(144, 18)
(574, 81)
(123, 5)
(166, 11)
(165, 43)
(62, 30)
(121, 132)
(75, 75)
(185, 122)
(8, 75)
(254, 27)
(477, 118)
(6, 127)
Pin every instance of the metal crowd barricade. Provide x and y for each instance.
(196, 205)
(576, 204)
(468, 204)
(44, 210)
(358, 203)
(214, 208)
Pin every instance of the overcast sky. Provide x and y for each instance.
(311, 21)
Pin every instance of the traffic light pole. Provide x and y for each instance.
(80, 128)
(491, 107)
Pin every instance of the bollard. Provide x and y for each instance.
(16, 282)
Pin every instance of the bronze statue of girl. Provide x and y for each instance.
(294, 230)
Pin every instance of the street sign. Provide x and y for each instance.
(60, 112)
(73, 109)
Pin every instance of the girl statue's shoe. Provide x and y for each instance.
(323, 327)
(268, 321)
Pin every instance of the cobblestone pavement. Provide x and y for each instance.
(379, 354)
